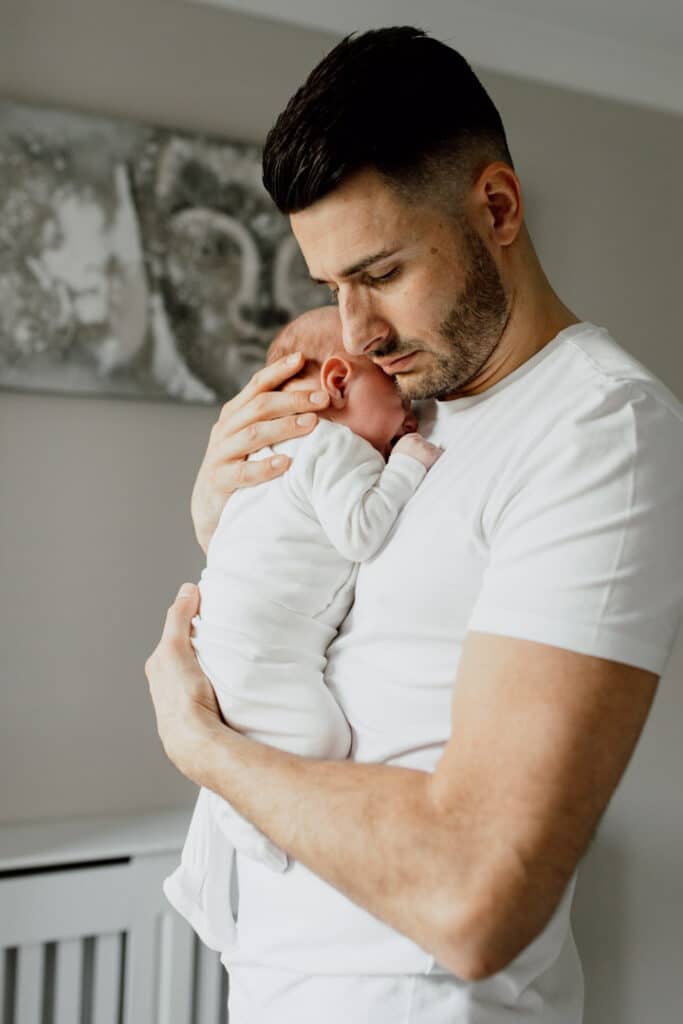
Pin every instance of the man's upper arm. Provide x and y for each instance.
(540, 738)
(579, 606)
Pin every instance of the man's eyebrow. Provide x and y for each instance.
(358, 268)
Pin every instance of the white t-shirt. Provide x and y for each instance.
(554, 515)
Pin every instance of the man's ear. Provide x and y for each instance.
(334, 378)
(497, 194)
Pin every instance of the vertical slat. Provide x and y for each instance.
(107, 979)
(68, 981)
(4, 955)
(9, 984)
(207, 986)
(140, 972)
(225, 992)
(87, 979)
(49, 972)
(176, 957)
(29, 991)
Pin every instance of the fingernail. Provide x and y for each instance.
(318, 397)
(306, 419)
(186, 590)
(293, 359)
(278, 461)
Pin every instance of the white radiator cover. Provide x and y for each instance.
(86, 934)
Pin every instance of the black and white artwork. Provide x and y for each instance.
(137, 261)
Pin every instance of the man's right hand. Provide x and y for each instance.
(256, 417)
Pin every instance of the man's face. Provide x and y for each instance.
(418, 292)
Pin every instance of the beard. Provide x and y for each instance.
(472, 329)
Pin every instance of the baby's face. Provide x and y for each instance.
(375, 408)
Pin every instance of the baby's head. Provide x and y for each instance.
(362, 396)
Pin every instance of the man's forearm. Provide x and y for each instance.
(371, 831)
(469, 861)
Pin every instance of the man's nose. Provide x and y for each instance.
(363, 329)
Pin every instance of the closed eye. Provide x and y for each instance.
(382, 278)
(369, 279)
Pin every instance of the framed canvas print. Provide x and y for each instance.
(137, 261)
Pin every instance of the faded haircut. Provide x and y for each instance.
(392, 99)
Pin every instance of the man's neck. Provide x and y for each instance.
(535, 318)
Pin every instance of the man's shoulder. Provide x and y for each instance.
(591, 420)
(604, 394)
(592, 386)
(595, 355)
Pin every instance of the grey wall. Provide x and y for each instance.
(95, 534)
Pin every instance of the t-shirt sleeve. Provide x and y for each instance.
(355, 496)
(586, 548)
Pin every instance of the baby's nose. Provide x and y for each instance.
(409, 423)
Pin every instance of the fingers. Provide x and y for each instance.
(174, 647)
(230, 444)
(224, 469)
(233, 475)
(270, 377)
(265, 382)
(272, 405)
(248, 422)
(177, 625)
(262, 398)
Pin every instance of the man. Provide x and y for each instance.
(504, 647)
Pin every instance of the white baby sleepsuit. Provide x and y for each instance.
(278, 581)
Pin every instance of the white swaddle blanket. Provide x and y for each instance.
(278, 582)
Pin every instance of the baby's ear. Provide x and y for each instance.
(334, 378)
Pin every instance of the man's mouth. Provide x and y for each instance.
(397, 364)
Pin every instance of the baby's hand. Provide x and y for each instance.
(416, 446)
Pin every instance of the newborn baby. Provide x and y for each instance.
(278, 583)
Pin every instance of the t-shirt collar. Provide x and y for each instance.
(457, 405)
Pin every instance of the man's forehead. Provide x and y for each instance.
(360, 222)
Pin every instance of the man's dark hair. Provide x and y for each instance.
(392, 99)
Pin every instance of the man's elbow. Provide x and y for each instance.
(491, 932)
(470, 954)
(497, 930)
(466, 953)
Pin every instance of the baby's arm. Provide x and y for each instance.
(355, 496)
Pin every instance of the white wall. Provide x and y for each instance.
(95, 533)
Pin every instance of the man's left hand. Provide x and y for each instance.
(185, 704)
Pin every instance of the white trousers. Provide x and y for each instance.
(265, 996)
